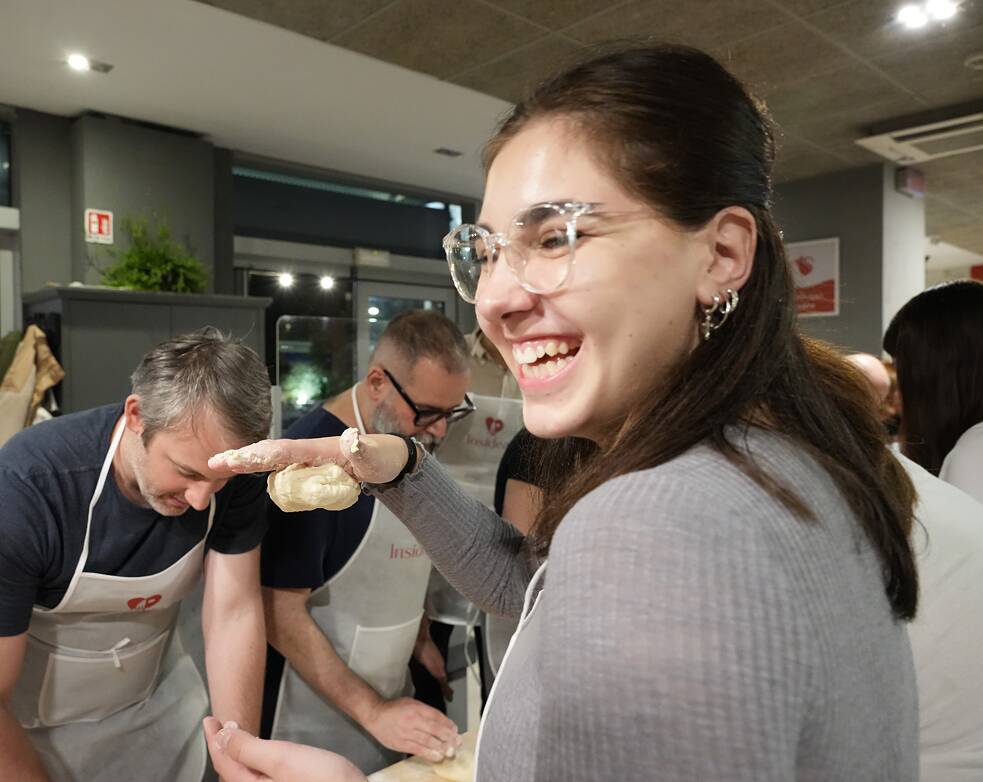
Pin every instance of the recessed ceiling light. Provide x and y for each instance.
(327, 282)
(941, 9)
(286, 279)
(78, 62)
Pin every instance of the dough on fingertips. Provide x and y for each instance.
(460, 768)
(300, 488)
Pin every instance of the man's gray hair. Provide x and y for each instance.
(426, 334)
(204, 373)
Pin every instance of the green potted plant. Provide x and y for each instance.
(153, 261)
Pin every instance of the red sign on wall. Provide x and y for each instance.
(98, 226)
(816, 274)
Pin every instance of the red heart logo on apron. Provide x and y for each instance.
(143, 603)
(494, 425)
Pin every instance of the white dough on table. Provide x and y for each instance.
(299, 488)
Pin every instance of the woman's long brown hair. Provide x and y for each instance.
(681, 134)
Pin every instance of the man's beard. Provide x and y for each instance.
(384, 421)
(156, 501)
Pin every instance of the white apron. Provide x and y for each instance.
(519, 654)
(471, 453)
(370, 611)
(106, 692)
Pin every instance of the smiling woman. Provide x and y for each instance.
(729, 568)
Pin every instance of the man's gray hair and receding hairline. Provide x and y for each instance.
(204, 372)
(419, 334)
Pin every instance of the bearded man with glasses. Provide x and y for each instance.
(344, 590)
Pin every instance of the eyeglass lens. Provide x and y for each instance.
(539, 247)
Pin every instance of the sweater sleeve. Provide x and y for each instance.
(675, 649)
(479, 553)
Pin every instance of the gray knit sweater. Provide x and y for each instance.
(690, 628)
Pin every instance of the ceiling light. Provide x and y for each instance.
(82, 64)
(327, 282)
(78, 62)
(940, 10)
(373, 311)
(286, 279)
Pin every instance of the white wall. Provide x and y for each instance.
(903, 254)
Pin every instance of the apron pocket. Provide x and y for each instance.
(380, 655)
(90, 686)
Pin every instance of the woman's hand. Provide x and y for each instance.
(239, 757)
(373, 458)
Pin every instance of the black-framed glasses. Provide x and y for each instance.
(428, 416)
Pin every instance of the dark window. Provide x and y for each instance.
(277, 205)
(6, 196)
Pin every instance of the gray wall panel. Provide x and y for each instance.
(848, 205)
(135, 171)
(105, 343)
(42, 164)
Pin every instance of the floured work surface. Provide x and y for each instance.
(417, 769)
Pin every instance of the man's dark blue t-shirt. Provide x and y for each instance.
(305, 550)
(48, 474)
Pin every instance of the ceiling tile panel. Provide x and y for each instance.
(437, 37)
(969, 238)
(707, 25)
(869, 27)
(554, 14)
(785, 55)
(321, 19)
(846, 95)
(809, 7)
(511, 76)
(936, 70)
(796, 159)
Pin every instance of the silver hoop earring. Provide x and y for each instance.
(718, 312)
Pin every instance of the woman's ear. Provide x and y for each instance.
(732, 236)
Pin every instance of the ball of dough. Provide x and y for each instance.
(457, 769)
(298, 488)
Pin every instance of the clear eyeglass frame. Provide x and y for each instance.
(468, 248)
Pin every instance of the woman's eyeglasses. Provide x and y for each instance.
(540, 246)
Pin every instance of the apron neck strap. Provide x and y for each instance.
(358, 413)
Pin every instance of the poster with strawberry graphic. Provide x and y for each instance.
(816, 274)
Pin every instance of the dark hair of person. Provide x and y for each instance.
(936, 340)
(680, 133)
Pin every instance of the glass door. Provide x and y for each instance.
(376, 303)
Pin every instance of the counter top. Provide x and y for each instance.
(102, 293)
